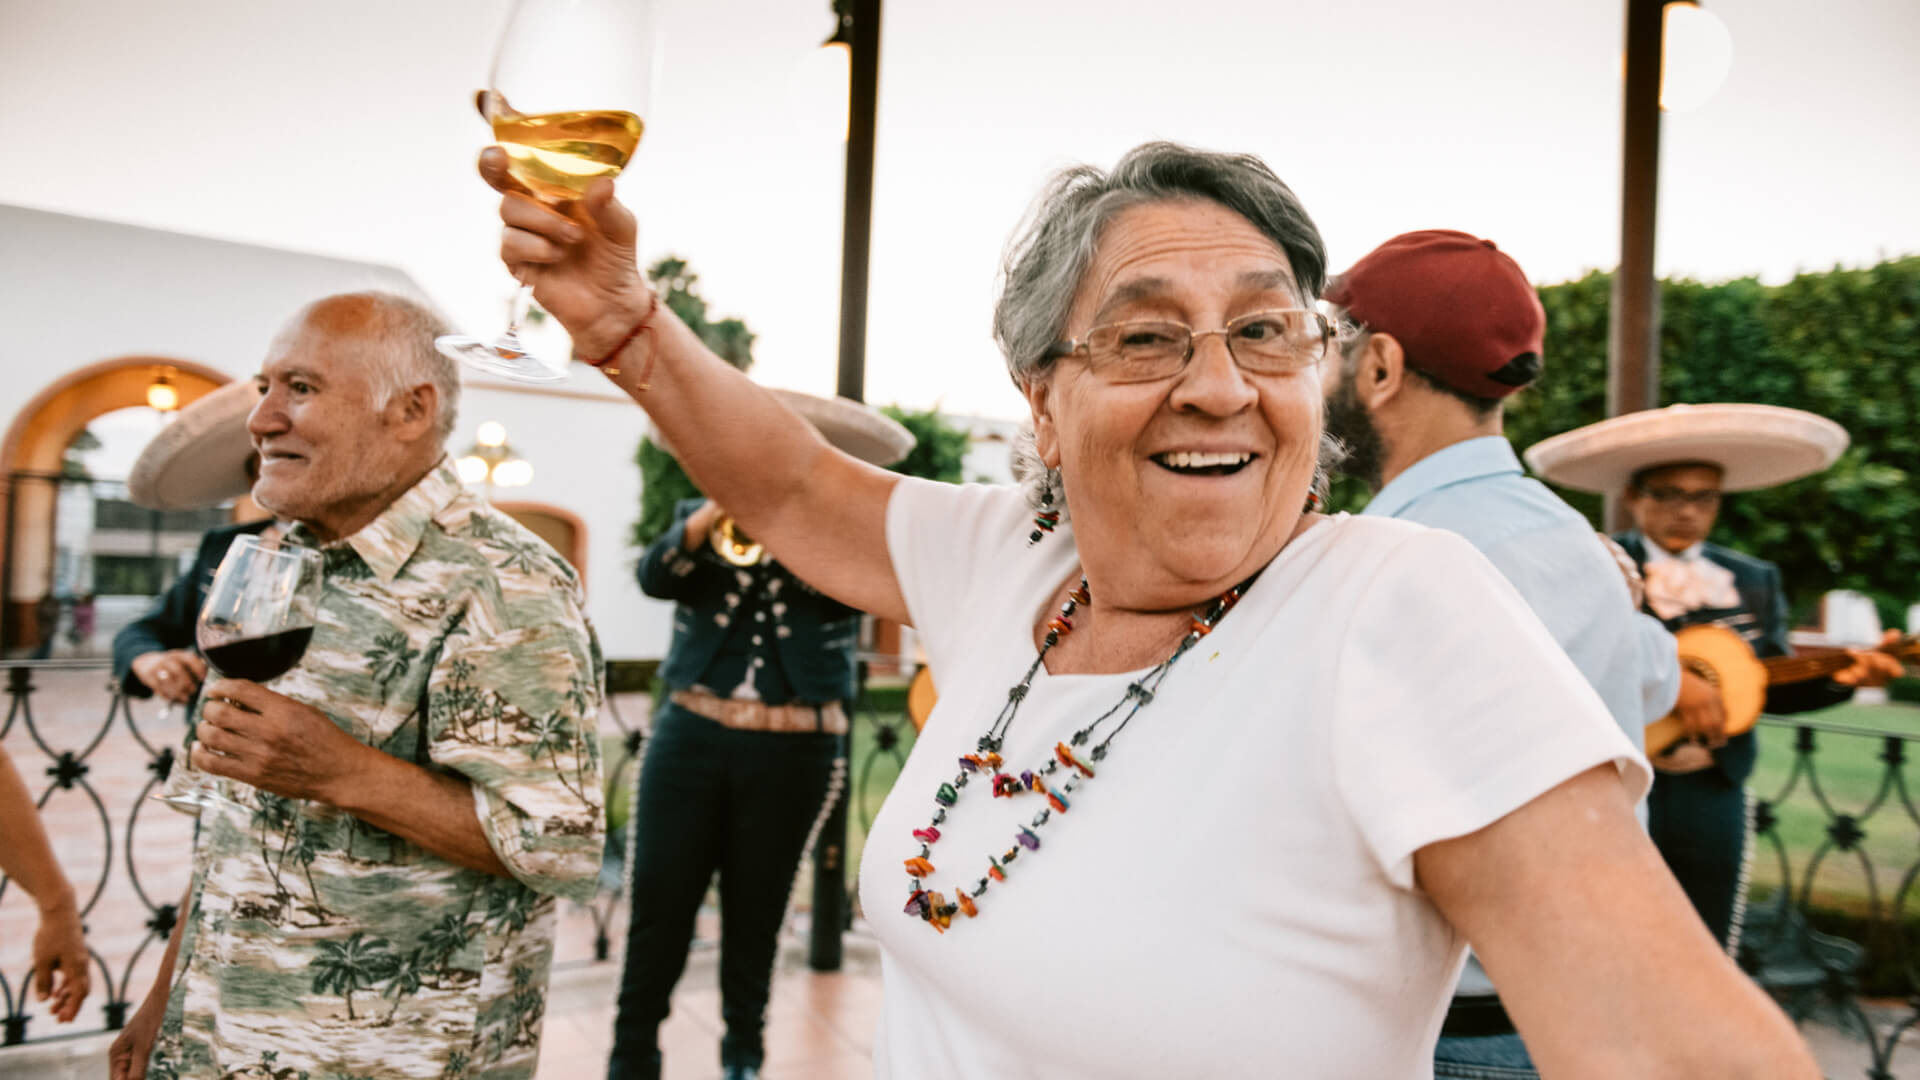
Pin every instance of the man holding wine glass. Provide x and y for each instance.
(413, 779)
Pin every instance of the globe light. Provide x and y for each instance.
(1696, 55)
(162, 395)
(513, 472)
(472, 469)
(491, 433)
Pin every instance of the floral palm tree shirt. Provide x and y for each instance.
(321, 948)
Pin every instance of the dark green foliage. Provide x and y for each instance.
(1844, 344)
(939, 448)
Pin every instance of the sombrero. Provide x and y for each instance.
(860, 430)
(1756, 446)
(200, 458)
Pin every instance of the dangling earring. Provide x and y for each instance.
(1048, 517)
(1313, 501)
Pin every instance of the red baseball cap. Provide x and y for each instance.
(1459, 306)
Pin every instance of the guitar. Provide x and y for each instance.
(1724, 659)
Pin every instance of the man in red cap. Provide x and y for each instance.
(1440, 327)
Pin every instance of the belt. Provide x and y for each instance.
(1476, 1016)
(828, 719)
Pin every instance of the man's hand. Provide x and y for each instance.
(579, 257)
(699, 524)
(127, 1058)
(1872, 668)
(1702, 715)
(60, 958)
(174, 674)
(276, 744)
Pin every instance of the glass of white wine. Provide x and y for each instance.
(567, 100)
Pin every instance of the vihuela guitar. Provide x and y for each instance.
(1724, 659)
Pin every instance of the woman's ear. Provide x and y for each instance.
(1046, 437)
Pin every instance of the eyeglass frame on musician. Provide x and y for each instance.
(1673, 497)
(1101, 368)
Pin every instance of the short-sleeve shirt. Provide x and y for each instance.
(319, 945)
(1233, 891)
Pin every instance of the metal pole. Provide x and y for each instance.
(1633, 351)
(831, 913)
(858, 226)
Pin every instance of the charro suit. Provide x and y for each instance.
(712, 797)
(1698, 819)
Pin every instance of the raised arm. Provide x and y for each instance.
(822, 510)
(1599, 958)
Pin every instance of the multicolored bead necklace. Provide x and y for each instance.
(933, 907)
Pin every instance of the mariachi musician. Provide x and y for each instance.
(739, 767)
(1673, 465)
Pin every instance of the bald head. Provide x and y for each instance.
(356, 405)
(391, 339)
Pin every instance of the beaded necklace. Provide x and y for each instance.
(933, 907)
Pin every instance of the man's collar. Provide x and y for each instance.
(1469, 459)
(1658, 554)
(388, 541)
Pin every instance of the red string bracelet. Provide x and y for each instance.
(646, 371)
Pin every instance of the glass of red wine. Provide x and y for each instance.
(255, 624)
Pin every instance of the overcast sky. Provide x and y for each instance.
(346, 128)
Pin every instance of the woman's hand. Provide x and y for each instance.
(60, 959)
(127, 1057)
(579, 257)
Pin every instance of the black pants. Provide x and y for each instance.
(713, 798)
(1698, 820)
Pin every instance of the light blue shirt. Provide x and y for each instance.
(1551, 554)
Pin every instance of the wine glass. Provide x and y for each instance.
(566, 98)
(256, 622)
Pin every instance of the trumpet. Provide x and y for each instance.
(732, 543)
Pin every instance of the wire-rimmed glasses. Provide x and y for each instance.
(1278, 341)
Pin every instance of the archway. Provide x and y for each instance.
(30, 469)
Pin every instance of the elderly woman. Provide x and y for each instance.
(1217, 786)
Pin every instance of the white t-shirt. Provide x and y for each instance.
(1232, 894)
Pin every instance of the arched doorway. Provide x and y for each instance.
(31, 469)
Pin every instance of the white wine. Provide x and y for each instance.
(556, 155)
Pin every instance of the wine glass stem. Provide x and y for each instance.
(518, 306)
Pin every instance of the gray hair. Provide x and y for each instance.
(402, 330)
(1055, 244)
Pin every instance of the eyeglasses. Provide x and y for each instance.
(1674, 497)
(1276, 342)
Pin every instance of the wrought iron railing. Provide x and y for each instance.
(1830, 916)
(96, 758)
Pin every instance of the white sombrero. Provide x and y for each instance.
(1756, 446)
(200, 458)
(860, 430)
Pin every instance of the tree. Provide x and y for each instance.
(939, 448)
(1844, 344)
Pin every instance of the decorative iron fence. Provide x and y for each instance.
(1835, 861)
(96, 757)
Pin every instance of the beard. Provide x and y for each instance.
(1349, 421)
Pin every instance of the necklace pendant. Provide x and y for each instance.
(1028, 839)
(1058, 803)
(1064, 753)
(919, 867)
(946, 796)
(927, 835)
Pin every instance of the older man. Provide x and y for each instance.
(1447, 327)
(379, 899)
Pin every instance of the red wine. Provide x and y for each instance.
(259, 658)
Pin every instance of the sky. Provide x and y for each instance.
(346, 129)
